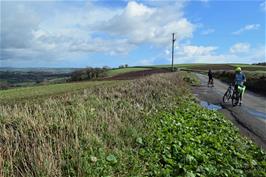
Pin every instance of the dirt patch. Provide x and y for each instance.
(136, 74)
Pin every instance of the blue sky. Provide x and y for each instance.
(111, 33)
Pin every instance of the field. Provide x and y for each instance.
(114, 72)
(150, 126)
(31, 76)
(127, 74)
(36, 92)
(206, 67)
(21, 77)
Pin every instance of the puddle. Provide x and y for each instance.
(210, 106)
(257, 114)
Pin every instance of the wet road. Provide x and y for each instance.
(250, 118)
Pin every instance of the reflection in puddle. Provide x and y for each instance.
(210, 106)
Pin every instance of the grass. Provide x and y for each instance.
(117, 130)
(114, 72)
(62, 137)
(46, 90)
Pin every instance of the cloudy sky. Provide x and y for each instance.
(99, 33)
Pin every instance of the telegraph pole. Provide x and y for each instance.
(173, 48)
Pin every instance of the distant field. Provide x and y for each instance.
(46, 90)
(114, 72)
(205, 67)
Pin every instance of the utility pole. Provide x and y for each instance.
(173, 48)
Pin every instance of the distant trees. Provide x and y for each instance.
(4, 85)
(88, 74)
(123, 66)
(262, 64)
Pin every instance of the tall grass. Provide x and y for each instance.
(90, 133)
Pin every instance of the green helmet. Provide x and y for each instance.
(238, 69)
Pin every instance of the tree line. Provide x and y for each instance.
(88, 74)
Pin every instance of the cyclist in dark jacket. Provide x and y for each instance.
(240, 79)
(210, 74)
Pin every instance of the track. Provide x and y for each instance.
(250, 118)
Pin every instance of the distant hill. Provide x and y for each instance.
(40, 69)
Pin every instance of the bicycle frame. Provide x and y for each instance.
(231, 89)
(228, 94)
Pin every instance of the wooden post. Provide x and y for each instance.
(173, 48)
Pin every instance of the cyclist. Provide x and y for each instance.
(210, 74)
(240, 79)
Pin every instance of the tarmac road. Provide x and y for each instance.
(250, 118)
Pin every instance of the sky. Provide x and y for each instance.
(111, 33)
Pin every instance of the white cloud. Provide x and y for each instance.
(146, 62)
(16, 32)
(240, 48)
(140, 24)
(247, 28)
(87, 29)
(69, 31)
(195, 51)
(263, 5)
(209, 54)
(204, 1)
(207, 31)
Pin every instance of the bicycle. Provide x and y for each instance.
(237, 94)
(234, 94)
(228, 94)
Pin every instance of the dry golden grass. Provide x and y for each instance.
(58, 136)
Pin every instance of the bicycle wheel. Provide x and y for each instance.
(226, 96)
(235, 99)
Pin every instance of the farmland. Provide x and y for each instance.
(114, 72)
(36, 92)
(150, 126)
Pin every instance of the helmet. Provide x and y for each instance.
(238, 69)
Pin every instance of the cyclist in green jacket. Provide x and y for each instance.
(240, 79)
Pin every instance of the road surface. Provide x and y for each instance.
(250, 118)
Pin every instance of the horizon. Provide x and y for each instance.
(117, 67)
(80, 34)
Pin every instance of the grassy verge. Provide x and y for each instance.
(115, 130)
